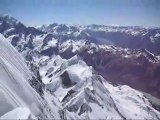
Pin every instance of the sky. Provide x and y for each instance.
(107, 12)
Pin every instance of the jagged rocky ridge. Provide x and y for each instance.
(134, 37)
(85, 91)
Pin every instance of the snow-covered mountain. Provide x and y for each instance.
(82, 91)
(70, 85)
(133, 37)
(60, 76)
(140, 66)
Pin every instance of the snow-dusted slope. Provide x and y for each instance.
(15, 90)
(83, 92)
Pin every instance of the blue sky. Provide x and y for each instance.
(121, 12)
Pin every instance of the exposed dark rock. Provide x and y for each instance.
(69, 94)
(50, 75)
(72, 108)
(48, 38)
(15, 41)
(62, 114)
(66, 81)
(36, 81)
(85, 108)
(49, 70)
(50, 51)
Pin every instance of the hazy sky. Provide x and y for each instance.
(121, 12)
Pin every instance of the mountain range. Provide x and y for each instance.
(79, 72)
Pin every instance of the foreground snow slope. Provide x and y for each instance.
(18, 100)
(15, 91)
(14, 88)
(18, 113)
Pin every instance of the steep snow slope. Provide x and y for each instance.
(14, 88)
(83, 92)
(16, 94)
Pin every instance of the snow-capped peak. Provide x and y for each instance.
(85, 93)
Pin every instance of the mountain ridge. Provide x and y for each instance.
(63, 75)
(68, 43)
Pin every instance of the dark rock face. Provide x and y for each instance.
(84, 108)
(73, 108)
(62, 114)
(68, 96)
(49, 52)
(36, 81)
(47, 39)
(15, 41)
(66, 81)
